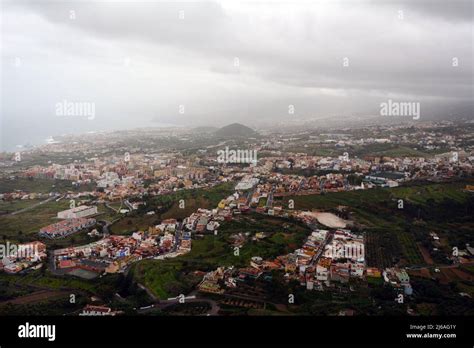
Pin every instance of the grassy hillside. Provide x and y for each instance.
(41, 185)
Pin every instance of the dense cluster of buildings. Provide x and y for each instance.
(22, 257)
(335, 255)
(446, 164)
(66, 227)
(113, 254)
(325, 257)
(137, 173)
(128, 175)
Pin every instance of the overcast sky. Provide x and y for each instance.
(138, 62)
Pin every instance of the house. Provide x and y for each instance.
(340, 272)
(256, 262)
(13, 268)
(322, 269)
(373, 272)
(201, 224)
(249, 272)
(221, 204)
(398, 278)
(212, 226)
(357, 269)
(91, 310)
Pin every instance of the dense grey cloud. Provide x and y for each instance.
(226, 61)
(455, 10)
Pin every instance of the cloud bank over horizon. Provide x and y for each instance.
(214, 63)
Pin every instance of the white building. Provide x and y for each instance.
(108, 179)
(90, 310)
(78, 212)
(322, 273)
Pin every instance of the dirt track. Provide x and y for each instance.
(426, 255)
(37, 296)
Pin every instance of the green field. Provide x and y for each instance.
(24, 284)
(18, 204)
(106, 213)
(130, 224)
(28, 223)
(207, 198)
(363, 198)
(41, 185)
(25, 226)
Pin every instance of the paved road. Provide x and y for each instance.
(249, 196)
(321, 184)
(161, 304)
(270, 199)
(327, 240)
(106, 226)
(167, 303)
(128, 204)
(177, 237)
(148, 292)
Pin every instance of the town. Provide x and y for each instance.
(112, 212)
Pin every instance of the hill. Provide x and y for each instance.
(236, 130)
